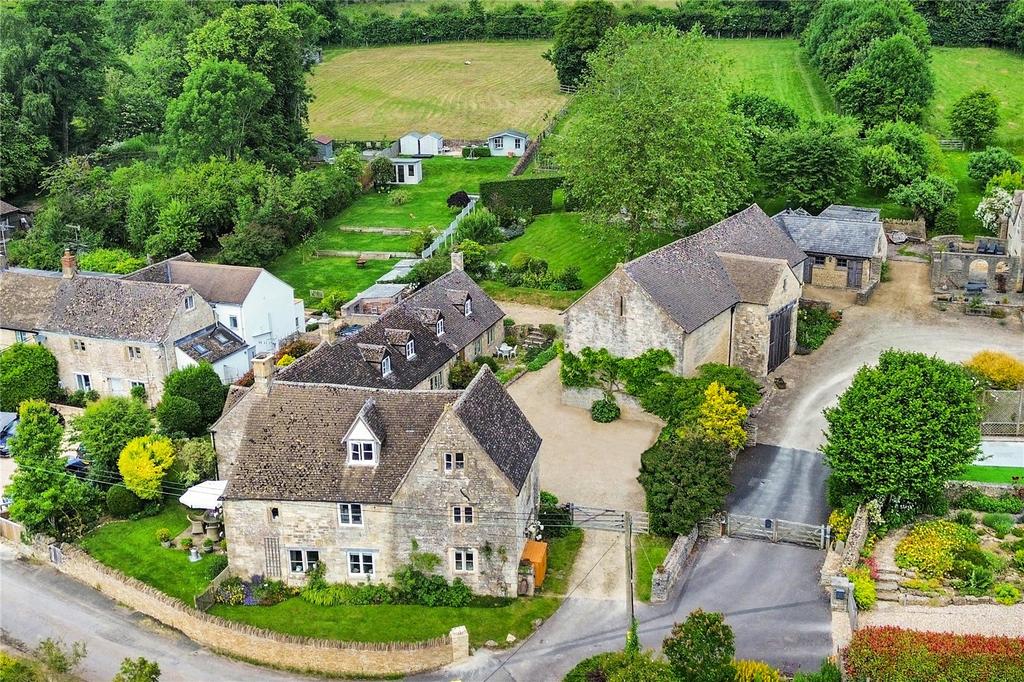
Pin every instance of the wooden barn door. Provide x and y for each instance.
(854, 270)
(779, 336)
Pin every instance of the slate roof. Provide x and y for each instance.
(413, 133)
(100, 307)
(215, 283)
(837, 231)
(509, 131)
(755, 278)
(6, 208)
(211, 344)
(292, 445)
(436, 136)
(324, 139)
(688, 280)
(345, 361)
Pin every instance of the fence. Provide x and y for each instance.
(597, 518)
(533, 149)
(9, 530)
(208, 597)
(1004, 413)
(776, 530)
(951, 145)
(449, 231)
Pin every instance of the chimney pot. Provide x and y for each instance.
(68, 264)
(458, 260)
(262, 372)
(327, 331)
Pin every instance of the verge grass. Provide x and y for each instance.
(561, 558)
(984, 474)
(649, 552)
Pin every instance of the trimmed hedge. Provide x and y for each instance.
(477, 151)
(532, 194)
(891, 653)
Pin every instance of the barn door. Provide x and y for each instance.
(808, 270)
(779, 336)
(854, 269)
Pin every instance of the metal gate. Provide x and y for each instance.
(776, 530)
(597, 518)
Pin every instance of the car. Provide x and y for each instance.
(8, 427)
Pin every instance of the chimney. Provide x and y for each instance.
(262, 372)
(68, 264)
(327, 332)
(458, 261)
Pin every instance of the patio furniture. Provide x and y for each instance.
(197, 525)
(213, 530)
(506, 351)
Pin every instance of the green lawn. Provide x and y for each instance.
(648, 552)
(132, 548)
(392, 622)
(561, 558)
(954, 167)
(992, 474)
(299, 268)
(333, 238)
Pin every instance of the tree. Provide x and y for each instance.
(23, 151)
(700, 649)
(897, 154)
(138, 670)
(984, 165)
(577, 35)
(812, 166)
(993, 207)
(974, 118)
(685, 481)
(721, 417)
(105, 428)
(382, 173)
(28, 371)
(764, 111)
(201, 385)
(197, 460)
(116, 261)
(177, 231)
(180, 416)
(253, 244)
(143, 463)
(461, 373)
(901, 430)
(671, 157)
(212, 115)
(45, 497)
(927, 196)
(892, 82)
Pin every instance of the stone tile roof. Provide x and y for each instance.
(211, 344)
(688, 280)
(235, 393)
(840, 233)
(215, 283)
(324, 139)
(755, 278)
(346, 362)
(501, 428)
(100, 307)
(374, 420)
(6, 208)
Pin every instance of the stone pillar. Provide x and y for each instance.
(262, 372)
(327, 332)
(460, 643)
(458, 260)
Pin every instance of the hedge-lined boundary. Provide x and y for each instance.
(532, 194)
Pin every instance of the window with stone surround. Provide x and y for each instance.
(83, 382)
(464, 560)
(360, 563)
(302, 560)
(841, 262)
(190, 302)
(462, 514)
(819, 260)
(77, 344)
(436, 382)
(454, 461)
(490, 335)
(134, 352)
(350, 514)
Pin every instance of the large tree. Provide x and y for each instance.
(28, 371)
(23, 150)
(897, 153)
(201, 385)
(974, 118)
(926, 196)
(105, 428)
(901, 430)
(577, 35)
(651, 144)
(893, 82)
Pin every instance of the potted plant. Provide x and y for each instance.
(186, 544)
(207, 545)
(164, 536)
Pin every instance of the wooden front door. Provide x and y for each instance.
(854, 270)
(779, 337)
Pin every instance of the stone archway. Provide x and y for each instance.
(978, 271)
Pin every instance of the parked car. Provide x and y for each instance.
(8, 427)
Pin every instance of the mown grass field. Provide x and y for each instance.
(380, 93)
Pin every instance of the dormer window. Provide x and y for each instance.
(362, 452)
(190, 302)
(410, 349)
(385, 366)
(469, 307)
(440, 326)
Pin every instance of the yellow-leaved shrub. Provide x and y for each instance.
(144, 463)
(755, 671)
(1002, 370)
(721, 416)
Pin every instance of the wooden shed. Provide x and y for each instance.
(537, 554)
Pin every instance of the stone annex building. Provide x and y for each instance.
(415, 343)
(349, 476)
(727, 294)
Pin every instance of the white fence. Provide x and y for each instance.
(449, 232)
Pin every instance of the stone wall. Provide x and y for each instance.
(667, 574)
(855, 539)
(707, 343)
(258, 645)
(750, 342)
(914, 229)
(630, 407)
(956, 489)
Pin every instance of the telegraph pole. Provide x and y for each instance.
(628, 522)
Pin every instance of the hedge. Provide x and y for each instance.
(891, 653)
(533, 194)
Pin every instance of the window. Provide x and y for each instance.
(454, 460)
(302, 560)
(519, 143)
(360, 563)
(385, 366)
(490, 335)
(478, 347)
(21, 337)
(440, 326)
(134, 352)
(499, 142)
(190, 302)
(140, 384)
(622, 306)
(411, 170)
(201, 349)
(275, 513)
(462, 515)
(465, 560)
(350, 514)
(84, 382)
(361, 452)
(469, 307)
(115, 385)
(819, 260)
(220, 337)
(78, 344)
(233, 322)
(410, 349)
(436, 382)
(841, 262)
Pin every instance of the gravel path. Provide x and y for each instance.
(524, 313)
(979, 619)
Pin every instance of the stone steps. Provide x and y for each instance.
(887, 586)
(888, 595)
(535, 339)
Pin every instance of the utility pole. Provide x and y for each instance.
(628, 522)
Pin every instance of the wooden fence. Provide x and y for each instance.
(9, 530)
(951, 145)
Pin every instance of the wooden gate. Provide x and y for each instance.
(776, 530)
(779, 337)
(598, 518)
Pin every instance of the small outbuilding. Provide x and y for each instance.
(407, 171)
(324, 148)
(416, 144)
(15, 218)
(409, 144)
(508, 142)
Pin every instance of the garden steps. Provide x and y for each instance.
(888, 595)
(535, 339)
(887, 585)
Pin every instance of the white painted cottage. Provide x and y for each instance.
(407, 171)
(508, 143)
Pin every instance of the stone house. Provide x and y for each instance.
(351, 477)
(845, 245)
(414, 343)
(369, 304)
(727, 294)
(251, 302)
(110, 334)
(14, 219)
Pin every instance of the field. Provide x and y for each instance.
(380, 93)
(992, 474)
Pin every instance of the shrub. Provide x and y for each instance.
(929, 547)
(163, 535)
(1000, 523)
(122, 502)
(841, 522)
(461, 373)
(180, 417)
(974, 118)
(947, 221)
(533, 194)
(605, 410)
(200, 384)
(1006, 594)
(863, 587)
(458, 199)
(721, 417)
(284, 360)
(755, 671)
(27, 372)
(480, 226)
(984, 165)
(891, 653)
(382, 173)
(964, 518)
(829, 672)
(138, 670)
(556, 518)
(685, 480)
(701, 648)
(814, 325)
(543, 358)
(196, 459)
(478, 151)
(973, 580)
(138, 392)
(482, 360)
(399, 197)
(143, 464)
(59, 658)
(105, 428)
(1000, 370)
(78, 398)
(252, 244)
(1018, 559)
(116, 261)
(977, 501)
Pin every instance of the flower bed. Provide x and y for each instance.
(930, 548)
(890, 653)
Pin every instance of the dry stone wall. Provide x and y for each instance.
(667, 574)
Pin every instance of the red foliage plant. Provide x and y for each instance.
(296, 349)
(872, 565)
(896, 654)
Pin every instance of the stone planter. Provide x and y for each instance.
(166, 545)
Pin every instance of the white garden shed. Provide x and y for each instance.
(407, 171)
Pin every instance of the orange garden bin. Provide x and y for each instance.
(537, 554)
